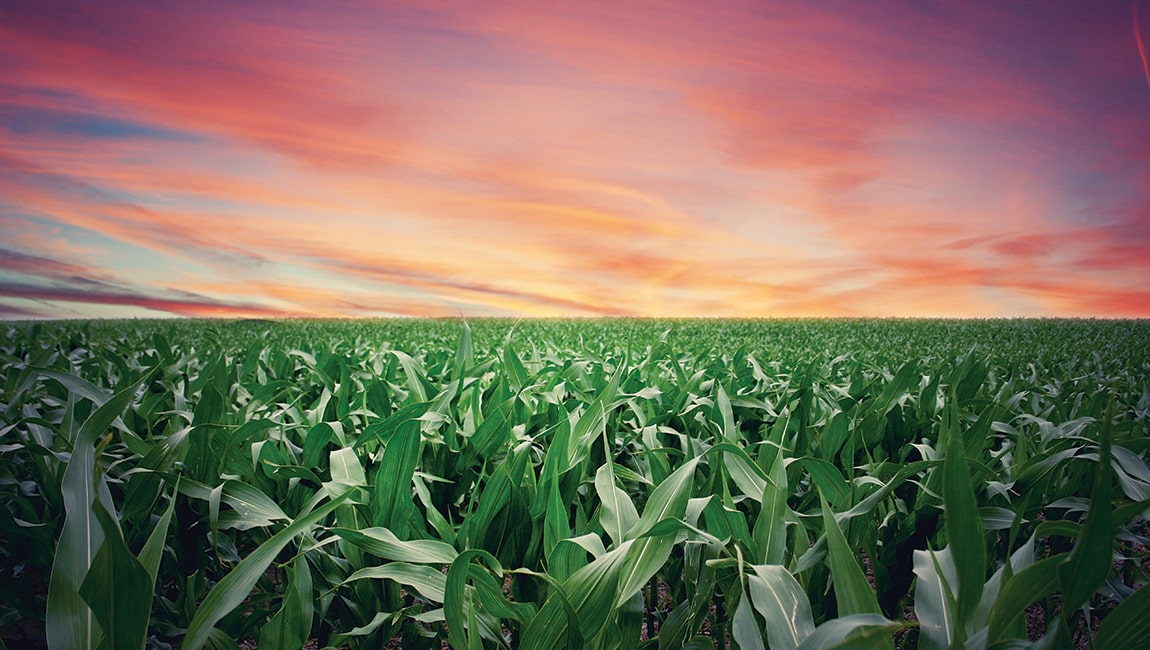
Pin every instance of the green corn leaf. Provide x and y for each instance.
(415, 375)
(835, 435)
(382, 543)
(934, 598)
(78, 386)
(829, 480)
(386, 429)
(1036, 581)
(1128, 625)
(618, 512)
(428, 581)
(459, 609)
(314, 443)
(668, 500)
(290, 627)
(744, 629)
(1022, 558)
(963, 524)
(491, 435)
(852, 592)
(783, 605)
(230, 592)
(580, 606)
(393, 502)
(251, 507)
(770, 532)
(345, 466)
(744, 471)
(153, 550)
(69, 621)
(1089, 562)
(855, 631)
(649, 554)
(464, 354)
(727, 417)
(513, 368)
(118, 589)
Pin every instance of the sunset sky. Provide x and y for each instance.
(591, 158)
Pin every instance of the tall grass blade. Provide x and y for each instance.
(1089, 561)
(393, 504)
(118, 589)
(1127, 625)
(1036, 581)
(70, 622)
(854, 631)
(383, 543)
(934, 598)
(230, 592)
(781, 602)
(852, 592)
(963, 524)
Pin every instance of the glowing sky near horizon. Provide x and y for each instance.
(355, 158)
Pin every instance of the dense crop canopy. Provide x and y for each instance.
(581, 484)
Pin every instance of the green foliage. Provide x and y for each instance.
(592, 483)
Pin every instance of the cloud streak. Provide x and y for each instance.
(592, 158)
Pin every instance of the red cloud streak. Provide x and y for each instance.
(591, 158)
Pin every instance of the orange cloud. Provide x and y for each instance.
(581, 159)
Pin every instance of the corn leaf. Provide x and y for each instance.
(781, 602)
(70, 622)
(852, 592)
(230, 592)
(117, 588)
(1128, 625)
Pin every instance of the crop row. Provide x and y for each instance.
(197, 485)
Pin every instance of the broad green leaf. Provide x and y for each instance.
(251, 507)
(117, 589)
(1089, 562)
(667, 501)
(426, 580)
(781, 602)
(744, 471)
(727, 417)
(459, 608)
(852, 592)
(464, 354)
(231, 591)
(581, 606)
(618, 512)
(345, 466)
(934, 598)
(415, 375)
(963, 524)
(382, 543)
(393, 505)
(744, 629)
(854, 631)
(1127, 625)
(69, 621)
(829, 480)
(290, 627)
(76, 385)
(1038, 580)
(770, 532)
(153, 550)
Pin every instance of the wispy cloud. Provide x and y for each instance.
(595, 158)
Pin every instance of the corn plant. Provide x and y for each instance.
(580, 484)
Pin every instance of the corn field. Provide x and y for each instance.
(579, 484)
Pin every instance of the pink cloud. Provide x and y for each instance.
(590, 158)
